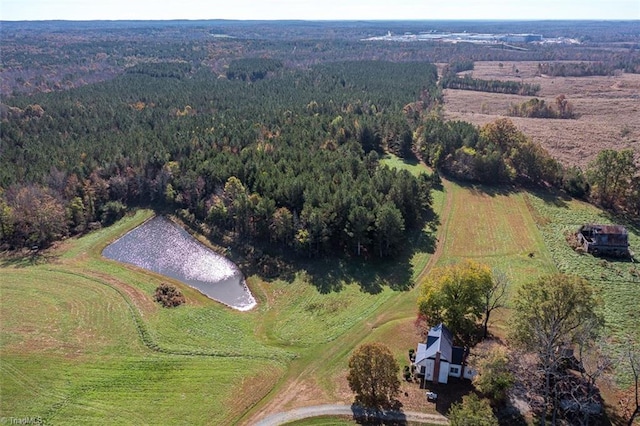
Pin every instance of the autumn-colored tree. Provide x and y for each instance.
(455, 295)
(373, 376)
(35, 216)
(610, 175)
(551, 314)
(494, 376)
(472, 411)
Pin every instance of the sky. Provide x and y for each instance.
(13, 10)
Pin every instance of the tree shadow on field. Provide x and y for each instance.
(25, 258)
(372, 273)
(550, 196)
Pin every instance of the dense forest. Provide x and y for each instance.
(290, 157)
(251, 136)
(45, 56)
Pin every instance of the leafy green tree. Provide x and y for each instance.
(373, 376)
(112, 211)
(454, 295)
(389, 228)
(77, 214)
(359, 223)
(6, 220)
(472, 411)
(282, 225)
(550, 314)
(610, 175)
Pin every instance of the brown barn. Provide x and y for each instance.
(607, 240)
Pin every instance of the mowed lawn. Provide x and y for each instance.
(494, 226)
(71, 354)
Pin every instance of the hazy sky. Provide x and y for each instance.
(318, 9)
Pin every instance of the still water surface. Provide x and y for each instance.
(161, 246)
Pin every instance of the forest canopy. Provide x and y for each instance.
(289, 158)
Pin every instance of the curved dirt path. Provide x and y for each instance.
(442, 231)
(291, 391)
(347, 410)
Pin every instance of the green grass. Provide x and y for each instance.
(151, 389)
(71, 354)
(82, 342)
(395, 162)
(616, 281)
(495, 227)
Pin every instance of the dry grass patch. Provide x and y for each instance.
(607, 107)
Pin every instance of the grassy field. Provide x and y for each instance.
(617, 281)
(82, 342)
(606, 107)
(494, 226)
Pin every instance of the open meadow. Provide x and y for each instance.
(607, 109)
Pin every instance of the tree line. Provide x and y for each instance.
(498, 153)
(467, 82)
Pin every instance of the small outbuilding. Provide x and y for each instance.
(606, 240)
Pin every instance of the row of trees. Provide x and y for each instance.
(576, 69)
(467, 82)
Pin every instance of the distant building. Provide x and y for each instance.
(521, 38)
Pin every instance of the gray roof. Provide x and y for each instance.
(440, 340)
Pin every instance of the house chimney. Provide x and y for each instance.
(436, 368)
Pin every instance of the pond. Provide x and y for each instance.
(161, 246)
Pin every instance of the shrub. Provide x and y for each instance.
(407, 373)
(168, 296)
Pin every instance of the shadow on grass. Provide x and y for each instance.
(331, 273)
(553, 197)
(25, 258)
(372, 274)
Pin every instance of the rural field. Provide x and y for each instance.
(81, 337)
(607, 109)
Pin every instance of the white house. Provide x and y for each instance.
(437, 359)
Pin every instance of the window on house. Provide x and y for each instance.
(454, 370)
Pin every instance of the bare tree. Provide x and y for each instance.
(551, 313)
(592, 362)
(631, 361)
(494, 297)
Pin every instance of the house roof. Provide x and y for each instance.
(606, 229)
(440, 340)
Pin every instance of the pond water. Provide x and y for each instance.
(161, 246)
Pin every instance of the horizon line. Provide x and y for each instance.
(331, 20)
